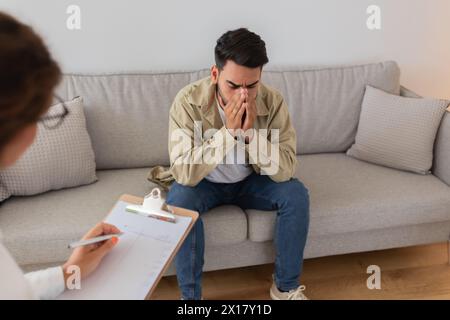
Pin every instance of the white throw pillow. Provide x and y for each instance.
(59, 158)
(397, 132)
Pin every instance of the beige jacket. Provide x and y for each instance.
(196, 103)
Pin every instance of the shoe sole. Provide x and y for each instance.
(273, 296)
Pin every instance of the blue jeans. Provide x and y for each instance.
(290, 199)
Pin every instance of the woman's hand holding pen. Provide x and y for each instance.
(87, 258)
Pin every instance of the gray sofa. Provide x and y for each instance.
(355, 206)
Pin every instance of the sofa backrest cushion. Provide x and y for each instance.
(325, 103)
(127, 114)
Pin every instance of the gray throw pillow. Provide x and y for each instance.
(397, 132)
(59, 158)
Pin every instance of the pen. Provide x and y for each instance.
(93, 240)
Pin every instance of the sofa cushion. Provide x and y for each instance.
(61, 157)
(37, 229)
(397, 132)
(325, 103)
(349, 195)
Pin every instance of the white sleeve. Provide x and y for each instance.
(46, 284)
(12, 282)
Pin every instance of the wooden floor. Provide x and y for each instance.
(420, 272)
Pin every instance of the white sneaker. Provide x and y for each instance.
(294, 294)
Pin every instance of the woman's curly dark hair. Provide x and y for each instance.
(28, 76)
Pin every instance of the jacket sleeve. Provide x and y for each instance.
(191, 156)
(274, 151)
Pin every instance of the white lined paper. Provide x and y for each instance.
(130, 270)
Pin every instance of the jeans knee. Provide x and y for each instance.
(300, 192)
(185, 197)
(180, 196)
(296, 195)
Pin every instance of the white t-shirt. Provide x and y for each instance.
(43, 284)
(234, 168)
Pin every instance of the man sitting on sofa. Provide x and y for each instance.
(223, 167)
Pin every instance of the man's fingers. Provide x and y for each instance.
(235, 111)
(230, 106)
(242, 110)
(238, 106)
(235, 100)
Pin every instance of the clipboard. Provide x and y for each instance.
(93, 288)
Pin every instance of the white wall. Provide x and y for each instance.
(143, 35)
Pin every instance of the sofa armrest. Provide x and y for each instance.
(441, 159)
(405, 92)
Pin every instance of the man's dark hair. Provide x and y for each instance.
(243, 47)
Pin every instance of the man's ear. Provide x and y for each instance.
(214, 74)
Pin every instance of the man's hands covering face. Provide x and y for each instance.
(234, 111)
